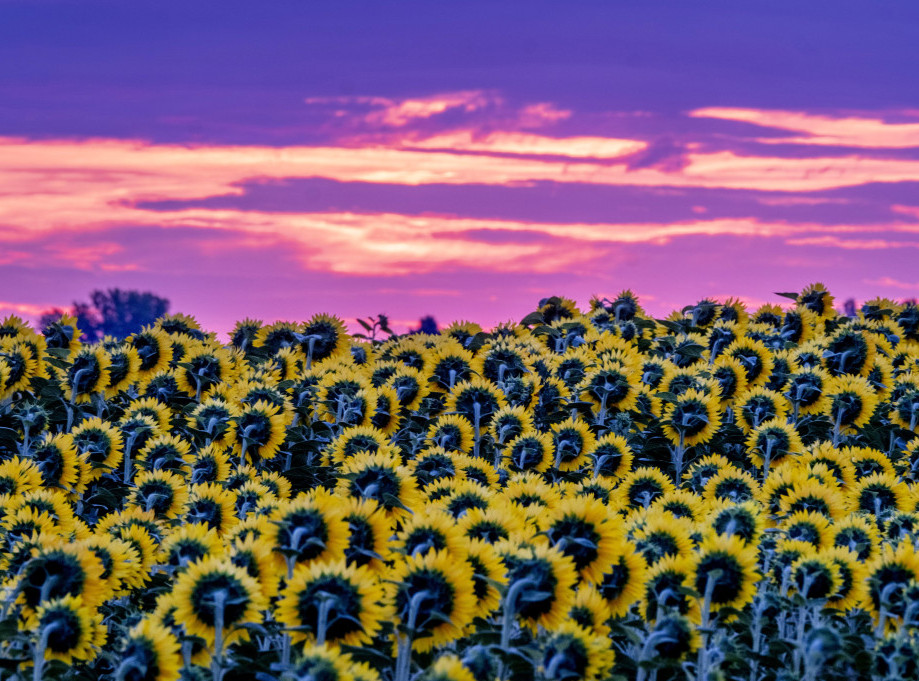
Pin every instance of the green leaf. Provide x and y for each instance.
(787, 294)
(532, 318)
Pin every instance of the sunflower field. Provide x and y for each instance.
(722, 494)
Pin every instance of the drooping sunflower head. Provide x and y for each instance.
(56, 572)
(150, 653)
(692, 418)
(772, 440)
(308, 529)
(434, 598)
(99, 444)
(584, 530)
(644, 485)
(339, 603)
(382, 478)
(571, 651)
(541, 578)
(212, 591)
(815, 577)
(87, 374)
(758, 406)
(879, 494)
(531, 451)
(731, 484)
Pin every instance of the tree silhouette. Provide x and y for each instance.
(113, 312)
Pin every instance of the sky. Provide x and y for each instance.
(275, 160)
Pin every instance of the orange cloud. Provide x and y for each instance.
(822, 130)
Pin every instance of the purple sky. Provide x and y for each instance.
(279, 159)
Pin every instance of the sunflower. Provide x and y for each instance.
(167, 453)
(731, 376)
(771, 441)
(358, 439)
(160, 491)
(812, 495)
(488, 574)
(758, 406)
(584, 530)
(692, 418)
(816, 576)
(644, 485)
(702, 470)
(308, 529)
(451, 432)
(725, 573)
(490, 525)
(840, 467)
(498, 361)
(612, 457)
(590, 610)
(572, 651)
(623, 579)
(322, 337)
(385, 414)
(275, 337)
(448, 364)
(853, 575)
(680, 503)
(508, 423)
(731, 484)
(434, 530)
(213, 505)
(63, 334)
(411, 387)
(258, 431)
(666, 589)
(59, 571)
(188, 544)
(662, 534)
(890, 572)
(154, 349)
(817, 299)
(326, 663)
(151, 653)
(148, 406)
(868, 461)
(123, 369)
(531, 451)
(213, 418)
(334, 603)
(99, 444)
(120, 562)
(859, 535)
(904, 403)
(755, 357)
(19, 476)
(464, 495)
(68, 629)
(609, 387)
(214, 594)
(22, 366)
(852, 403)
(476, 399)
(369, 532)
(879, 494)
(209, 464)
(808, 526)
(382, 478)
(849, 352)
(434, 598)
(540, 583)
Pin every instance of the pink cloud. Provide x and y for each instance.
(893, 283)
(847, 131)
(527, 144)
